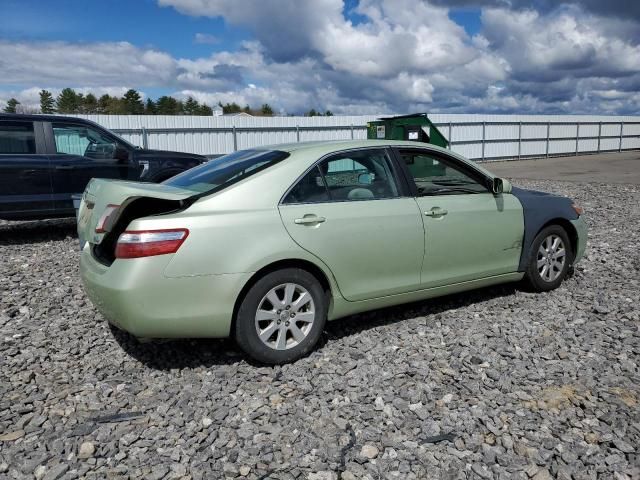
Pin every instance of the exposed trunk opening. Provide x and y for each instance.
(138, 208)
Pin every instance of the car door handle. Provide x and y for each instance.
(309, 220)
(436, 212)
(64, 167)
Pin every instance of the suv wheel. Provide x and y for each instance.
(281, 317)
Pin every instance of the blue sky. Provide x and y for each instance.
(352, 56)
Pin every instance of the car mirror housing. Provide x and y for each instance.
(121, 154)
(500, 185)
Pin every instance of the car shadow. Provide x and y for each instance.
(37, 231)
(194, 353)
(430, 309)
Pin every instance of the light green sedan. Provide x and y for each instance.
(266, 245)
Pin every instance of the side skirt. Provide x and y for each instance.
(341, 308)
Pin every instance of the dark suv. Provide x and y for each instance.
(45, 159)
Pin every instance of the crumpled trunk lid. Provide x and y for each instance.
(100, 193)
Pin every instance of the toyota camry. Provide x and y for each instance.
(266, 245)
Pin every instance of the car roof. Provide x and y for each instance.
(328, 146)
(305, 150)
(39, 117)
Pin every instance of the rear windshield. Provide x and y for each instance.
(223, 171)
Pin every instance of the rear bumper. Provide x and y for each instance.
(137, 297)
(581, 228)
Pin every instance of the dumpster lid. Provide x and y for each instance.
(406, 116)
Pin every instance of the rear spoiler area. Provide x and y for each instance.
(109, 206)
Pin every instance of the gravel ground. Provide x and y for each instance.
(497, 383)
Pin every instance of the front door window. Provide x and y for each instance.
(83, 141)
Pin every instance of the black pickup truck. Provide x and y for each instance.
(45, 159)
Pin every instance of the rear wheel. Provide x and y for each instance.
(550, 259)
(281, 317)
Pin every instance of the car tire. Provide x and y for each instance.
(550, 259)
(281, 317)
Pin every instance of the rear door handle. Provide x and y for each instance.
(64, 167)
(436, 212)
(309, 220)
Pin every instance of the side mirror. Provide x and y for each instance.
(121, 154)
(365, 179)
(500, 185)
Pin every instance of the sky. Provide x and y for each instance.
(347, 56)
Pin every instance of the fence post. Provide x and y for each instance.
(621, 128)
(235, 139)
(577, 136)
(599, 134)
(519, 139)
(483, 138)
(145, 140)
(298, 133)
(450, 141)
(352, 131)
(548, 130)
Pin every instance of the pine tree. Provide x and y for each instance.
(205, 110)
(12, 105)
(47, 102)
(67, 101)
(191, 106)
(90, 104)
(328, 113)
(230, 108)
(167, 106)
(311, 113)
(133, 103)
(150, 107)
(103, 103)
(266, 110)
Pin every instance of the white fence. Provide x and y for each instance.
(480, 137)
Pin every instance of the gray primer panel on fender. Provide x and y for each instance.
(539, 208)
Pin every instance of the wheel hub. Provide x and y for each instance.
(551, 258)
(285, 316)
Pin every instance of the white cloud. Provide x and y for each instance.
(403, 55)
(205, 39)
(95, 64)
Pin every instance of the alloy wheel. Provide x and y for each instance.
(551, 258)
(285, 316)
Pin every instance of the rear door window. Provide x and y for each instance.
(17, 138)
(226, 170)
(349, 176)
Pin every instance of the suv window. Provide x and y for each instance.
(17, 137)
(435, 176)
(83, 140)
(352, 176)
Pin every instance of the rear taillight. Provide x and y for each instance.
(101, 227)
(147, 243)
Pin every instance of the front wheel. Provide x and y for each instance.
(549, 260)
(281, 317)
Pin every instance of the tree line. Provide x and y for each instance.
(71, 102)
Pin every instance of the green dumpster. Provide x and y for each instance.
(415, 127)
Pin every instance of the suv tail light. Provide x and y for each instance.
(147, 243)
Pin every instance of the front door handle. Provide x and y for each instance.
(436, 212)
(64, 167)
(309, 220)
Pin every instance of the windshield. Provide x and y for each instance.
(224, 171)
